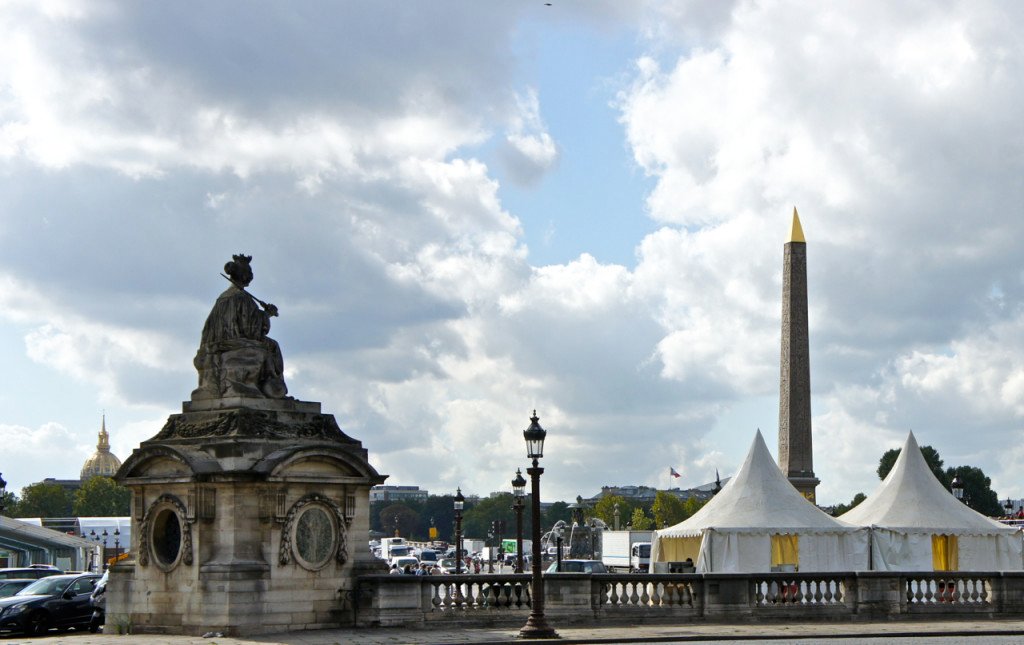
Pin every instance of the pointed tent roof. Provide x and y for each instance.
(912, 500)
(757, 498)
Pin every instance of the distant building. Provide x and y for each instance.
(646, 494)
(398, 494)
(102, 463)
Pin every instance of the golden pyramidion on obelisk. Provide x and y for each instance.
(797, 232)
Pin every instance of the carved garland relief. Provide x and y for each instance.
(166, 534)
(314, 530)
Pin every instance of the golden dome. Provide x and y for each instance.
(102, 462)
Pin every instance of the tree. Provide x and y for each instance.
(691, 506)
(557, 511)
(44, 499)
(605, 510)
(9, 503)
(404, 518)
(440, 510)
(101, 497)
(978, 493)
(667, 509)
(931, 457)
(640, 521)
(476, 522)
(839, 509)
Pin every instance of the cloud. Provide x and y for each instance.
(529, 150)
(351, 151)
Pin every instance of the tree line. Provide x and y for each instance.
(413, 519)
(96, 497)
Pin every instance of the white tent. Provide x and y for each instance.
(758, 522)
(917, 525)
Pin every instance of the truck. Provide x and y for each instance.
(626, 550)
(471, 545)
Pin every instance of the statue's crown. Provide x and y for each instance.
(242, 258)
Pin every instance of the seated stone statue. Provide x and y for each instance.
(236, 357)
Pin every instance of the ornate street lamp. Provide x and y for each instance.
(459, 502)
(616, 514)
(518, 493)
(3, 492)
(117, 543)
(396, 526)
(536, 626)
(957, 486)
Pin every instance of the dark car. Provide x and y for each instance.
(35, 572)
(578, 566)
(56, 601)
(11, 587)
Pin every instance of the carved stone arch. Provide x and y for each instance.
(146, 539)
(285, 554)
(341, 462)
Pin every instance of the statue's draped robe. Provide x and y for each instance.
(235, 357)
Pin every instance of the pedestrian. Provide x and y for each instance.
(395, 571)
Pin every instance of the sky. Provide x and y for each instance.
(467, 211)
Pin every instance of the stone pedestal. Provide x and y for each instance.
(249, 515)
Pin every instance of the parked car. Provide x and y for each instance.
(34, 572)
(447, 565)
(404, 560)
(55, 601)
(578, 566)
(14, 585)
(428, 555)
(98, 600)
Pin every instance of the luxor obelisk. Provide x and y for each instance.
(796, 456)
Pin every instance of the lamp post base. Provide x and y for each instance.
(537, 627)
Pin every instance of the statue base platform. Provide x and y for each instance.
(249, 516)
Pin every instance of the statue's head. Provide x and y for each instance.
(238, 269)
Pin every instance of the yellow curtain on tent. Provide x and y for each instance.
(679, 549)
(945, 553)
(785, 550)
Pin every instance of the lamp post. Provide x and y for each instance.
(3, 493)
(957, 486)
(536, 626)
(396, 526)
(460, 500)
(518, 493)
(117, 543)
(616, 514)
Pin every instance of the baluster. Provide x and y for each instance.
(840, 591)
(612, 593)
(924, 591)
(527, 593)
(657, 592)
(634, 596)
(435, 597)
(645, 598)
(828, 595)
(473, 594)
(686, 595)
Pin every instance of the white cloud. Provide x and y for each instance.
(529, 151)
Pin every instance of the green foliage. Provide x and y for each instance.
(404, 518)
(667, 510)
(557, 511)
(931, 457)
(9, 504)
(839, 509)
(476, 522)
(44, 500)
(978, 493)
(605, 510)
(101, 497)
(691, 506)
(640, 521)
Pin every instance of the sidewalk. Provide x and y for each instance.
(948, 631)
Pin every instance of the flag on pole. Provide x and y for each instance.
(672, 472)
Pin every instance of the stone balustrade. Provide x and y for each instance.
(576, 599)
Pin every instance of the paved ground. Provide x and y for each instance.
(889, 633)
